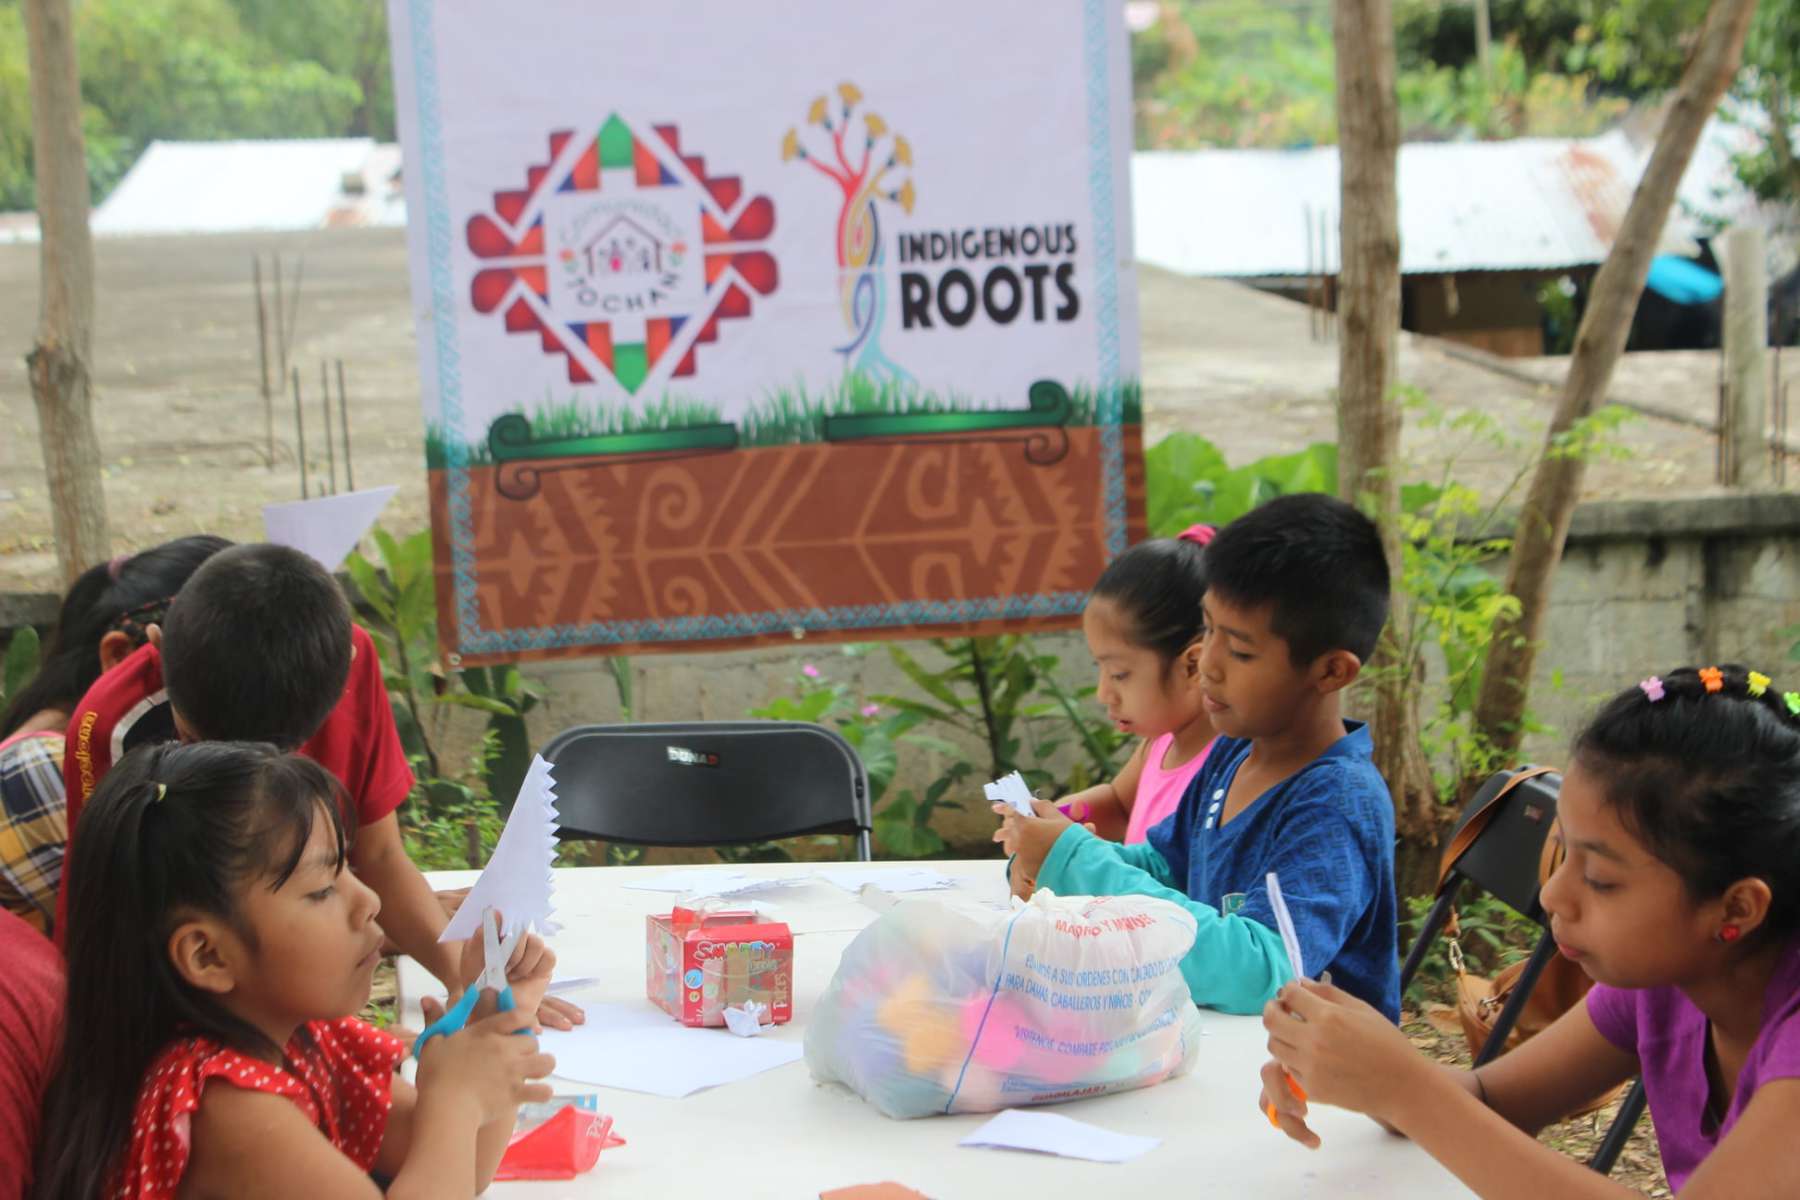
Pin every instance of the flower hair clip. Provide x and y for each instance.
(1713, 678)
(1652, 689)
(1759, 683)
(1792, 700)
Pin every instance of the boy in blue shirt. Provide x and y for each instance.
(1297, 594)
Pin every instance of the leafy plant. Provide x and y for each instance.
(903, 824)
(21, 665)
(1188, 481)
(1492, 937)
(403, 599)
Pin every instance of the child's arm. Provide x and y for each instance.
(410, 912)
(1107, 806)
(1346, 1054)
(247, 1143)
(480, 1072)
(1235, 965)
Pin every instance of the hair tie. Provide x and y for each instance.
(1713, 678)
(117, 564)
(162, 791)
(1759, 683)
(1200, 535)
(1652, 689)
(1792, 700)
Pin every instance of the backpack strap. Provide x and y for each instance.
(1478, 820)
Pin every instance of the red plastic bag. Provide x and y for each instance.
(563, 1147)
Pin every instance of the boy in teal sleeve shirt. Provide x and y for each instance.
(1297, 595)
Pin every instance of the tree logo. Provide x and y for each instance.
(622, 254)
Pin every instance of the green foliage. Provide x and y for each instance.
(1188, 481)
(903, 824)
(1493, 937)
(23, 654)
(199, 70)
(456, 813)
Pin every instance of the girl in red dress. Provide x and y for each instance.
(217, 948)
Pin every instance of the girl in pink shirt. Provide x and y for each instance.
(1680, 897)
(1142, 624)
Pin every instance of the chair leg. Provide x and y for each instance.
(1620, 1130)
(1515, 1004)
(1434, 921)
(863, 853)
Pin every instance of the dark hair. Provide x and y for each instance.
(1318, 562)
(126, 594)
(172, 832)
(257, 646)
(1157, 586)
(1708, 781)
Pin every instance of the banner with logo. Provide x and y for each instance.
(742, 323)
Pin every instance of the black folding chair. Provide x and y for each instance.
(708, 783)
(1504, 828)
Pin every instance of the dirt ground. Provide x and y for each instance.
(185, 435)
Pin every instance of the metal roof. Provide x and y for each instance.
(224, 187)
(1528, 204)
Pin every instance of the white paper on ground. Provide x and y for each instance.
(1011, 789)
(888, 879)
(645, 1050)
(518, 879)
(1049, 1133)
(327, 528)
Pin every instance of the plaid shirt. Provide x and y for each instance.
(33, 831)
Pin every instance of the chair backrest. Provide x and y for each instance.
(1504, 858)
(708, 783)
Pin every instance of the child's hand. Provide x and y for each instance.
(1028, 840)
(1283, 1105)
(486, 1062)
(1341, 1051)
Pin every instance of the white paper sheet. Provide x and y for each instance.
(643, 1049)
(888, 879)
(1284, 921)
(327, 528)
(711, 881)
(1049, 1133)
(1011, 789)
(518, 879)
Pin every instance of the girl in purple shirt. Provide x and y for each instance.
(1680, 896)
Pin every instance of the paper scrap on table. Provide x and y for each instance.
(327, 528)
(518, 879)
(888, 879)
(1011, 789)
(1048, 1133)
(640, 1049)
(746, 1021)
(709, 882)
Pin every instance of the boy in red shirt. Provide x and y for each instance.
(259, 646)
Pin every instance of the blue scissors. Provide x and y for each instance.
(495, 954)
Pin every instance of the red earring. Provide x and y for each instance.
(1727, 933)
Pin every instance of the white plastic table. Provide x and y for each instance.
(779, 1134)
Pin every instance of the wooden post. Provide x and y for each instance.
(60, 362)
(1746, 426)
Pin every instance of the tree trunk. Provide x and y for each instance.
(1368, 408)
(1556, 483)
(59, 361)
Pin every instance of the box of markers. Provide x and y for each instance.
(699, 963)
